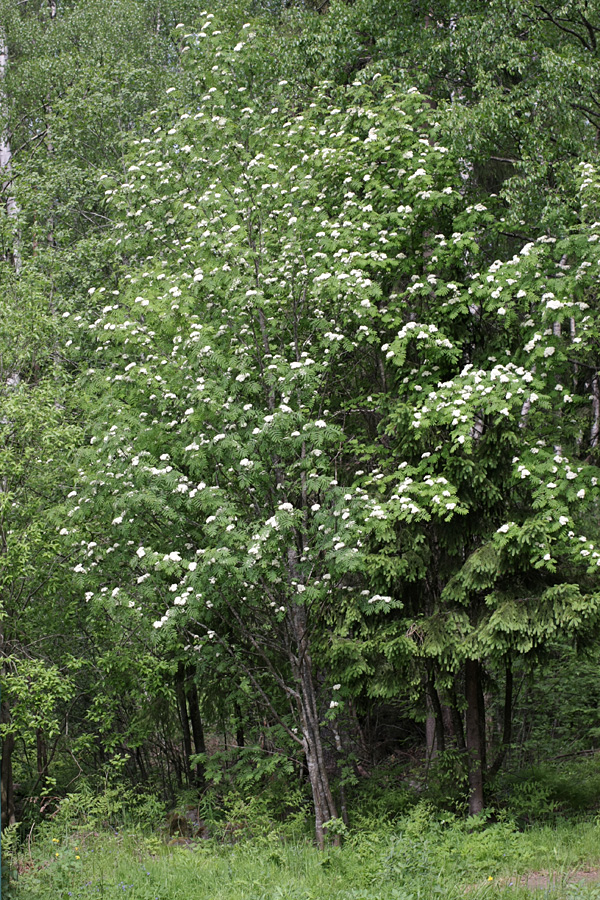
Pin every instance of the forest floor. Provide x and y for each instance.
(419, 857)
(551, 883)
(550, 880)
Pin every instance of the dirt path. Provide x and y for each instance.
(543, 880)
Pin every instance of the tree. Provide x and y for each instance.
(505, 418)
(237, 354)
(72, 81)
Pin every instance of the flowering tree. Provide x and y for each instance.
(235, 366)
(306, 391)
(506, 411)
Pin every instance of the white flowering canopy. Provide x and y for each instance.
(313, 397)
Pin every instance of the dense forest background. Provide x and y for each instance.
(299, 346)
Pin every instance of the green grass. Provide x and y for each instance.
(423, 855)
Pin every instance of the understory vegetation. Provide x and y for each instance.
(105, 843)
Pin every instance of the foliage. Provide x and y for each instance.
(91, 808)
(299, 392)
(225, 358)
(422, 856)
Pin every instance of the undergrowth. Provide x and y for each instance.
(94, 848)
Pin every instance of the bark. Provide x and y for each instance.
(312, 743)
(321, 792)
(9, 816)
(473, 736)
(457, 721)
(507, 722)
(438, 742)
(430, 741)
(482, 721)
(340, 752)
(595, 429)
(42, 754)
(6, 178)
(139, 758)
(239, 727)
(184, 720)
(325, 808)
(197, 732)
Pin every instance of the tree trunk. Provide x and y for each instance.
(457, 720)
(430, 741)
(42, 755)
(507, 723)
(435, 721)
(7, 788)
(340, 755)
(482, 722)
(184, 719)
(319, 782)
(139, 758)
(239, 726)
(6, 185)
(312, 743)
(197, 732)
(473, 735)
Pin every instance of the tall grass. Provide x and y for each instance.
(425, 854)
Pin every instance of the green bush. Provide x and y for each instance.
(541, 794)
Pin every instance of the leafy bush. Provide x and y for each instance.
(541, 794)
(115, 807)
(447, 784)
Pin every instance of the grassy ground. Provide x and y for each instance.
(420, 856)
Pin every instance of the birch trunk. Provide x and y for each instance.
(197, 729)
(595, 428)
(6, 177)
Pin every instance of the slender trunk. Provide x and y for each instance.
(42, 754)
(184, 720)
(340, 752)
(6, 177)
(239, 726)
(473, 735)
(9, 816)
(312, 743)
(302, 668)
(197, 732)
(482, 721)
(139, 758)
(321, 792)
(457, 721)
(507, 723)
(430, 741)
(595, 429)
(438, 742)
